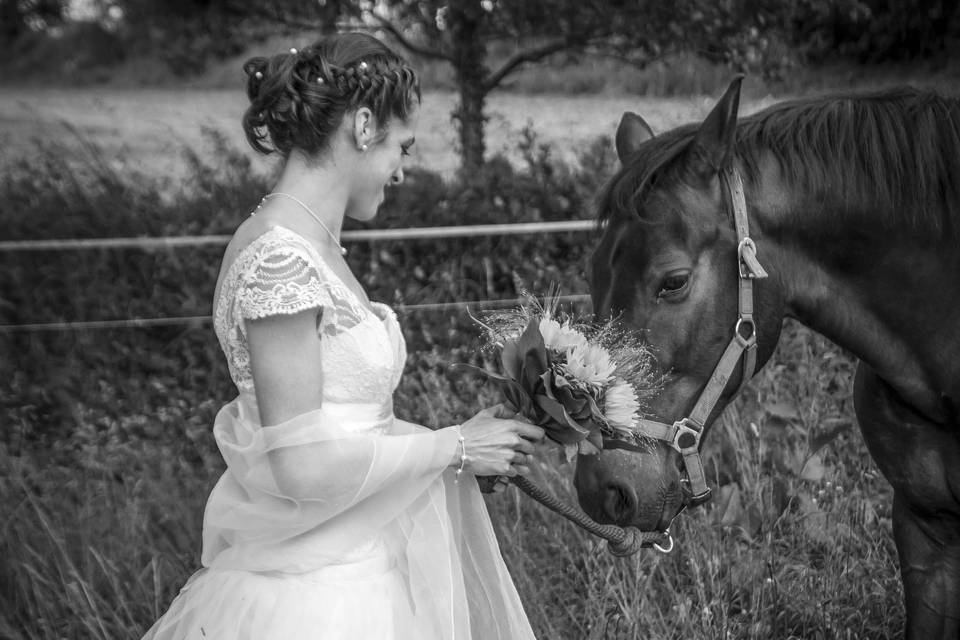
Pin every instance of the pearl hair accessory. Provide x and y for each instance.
(363, 66)
(293, 50)
(258, 75)
(343, 250)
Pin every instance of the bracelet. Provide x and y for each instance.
(463, 453)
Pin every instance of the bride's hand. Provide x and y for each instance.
(498, 444)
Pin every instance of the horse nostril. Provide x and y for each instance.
(619, 502)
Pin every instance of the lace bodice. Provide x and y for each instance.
(280, 272)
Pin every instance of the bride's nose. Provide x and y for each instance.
(397, 176)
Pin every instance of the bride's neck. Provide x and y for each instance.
(322, 187)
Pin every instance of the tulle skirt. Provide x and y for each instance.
(364, 600)
(391, 547)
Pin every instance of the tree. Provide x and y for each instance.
(20, 17)
(754, 35)
(457, 32)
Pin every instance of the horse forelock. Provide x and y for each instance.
(624, 194)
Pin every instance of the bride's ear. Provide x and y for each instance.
(364, 128)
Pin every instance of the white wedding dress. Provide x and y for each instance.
(380, 543)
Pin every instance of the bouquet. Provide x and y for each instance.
(581, 381)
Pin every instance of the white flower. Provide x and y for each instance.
(590, 364)
(620, 405)
(559, 337)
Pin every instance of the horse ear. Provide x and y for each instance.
(632, 132)
(714, 142)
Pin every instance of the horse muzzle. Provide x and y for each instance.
(629, 488)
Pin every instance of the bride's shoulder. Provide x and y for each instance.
(257, 247)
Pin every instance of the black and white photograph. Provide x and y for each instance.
(479, 320)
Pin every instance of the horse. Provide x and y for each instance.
(842, 212)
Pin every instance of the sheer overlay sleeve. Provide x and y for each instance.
(314, 475)
(284, 281)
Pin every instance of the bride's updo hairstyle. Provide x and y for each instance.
(298, 99)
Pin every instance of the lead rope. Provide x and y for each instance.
(621, 541)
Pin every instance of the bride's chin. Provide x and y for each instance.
(364, 214)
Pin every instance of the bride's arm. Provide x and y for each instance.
(285, 356)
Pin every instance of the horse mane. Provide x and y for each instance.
(892, 155)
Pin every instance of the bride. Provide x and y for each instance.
(334, 519)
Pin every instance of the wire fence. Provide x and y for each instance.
(198, 321)
(174, 242)
(367, 235)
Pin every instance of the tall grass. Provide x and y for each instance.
(106, 456)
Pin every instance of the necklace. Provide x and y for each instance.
(343, 250)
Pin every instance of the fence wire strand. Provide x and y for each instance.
(372, 235)
(199, 321)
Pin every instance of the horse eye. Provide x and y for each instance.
(673, 284)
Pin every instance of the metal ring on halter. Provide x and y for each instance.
(668, 549)
(750, 339)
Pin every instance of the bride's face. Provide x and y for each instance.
(380, 166)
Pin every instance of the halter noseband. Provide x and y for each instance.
(684, 434)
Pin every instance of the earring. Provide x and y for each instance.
(363, 147)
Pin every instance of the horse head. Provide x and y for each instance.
(667, 264)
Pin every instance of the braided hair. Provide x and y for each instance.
(298, 99)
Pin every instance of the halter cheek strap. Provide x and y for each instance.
(684, 435)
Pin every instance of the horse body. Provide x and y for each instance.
(854, 205)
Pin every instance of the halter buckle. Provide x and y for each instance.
(689, 432)
(750, 267)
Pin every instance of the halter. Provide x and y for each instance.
(684, 434)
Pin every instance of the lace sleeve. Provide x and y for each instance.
(284, 280)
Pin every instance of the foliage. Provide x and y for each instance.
(766, 37)
(19, 18)
(106, 455)
(877, 30)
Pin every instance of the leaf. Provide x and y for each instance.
(813, 469)
(785, 410)
(515, 395)
(586, 448)
(564, 429)
(553, 408)
(729, 506)
(596, 437)
(510, 359)
(574, 400)
(532, 356)
(827, 436)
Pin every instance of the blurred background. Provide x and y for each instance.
(121, 120)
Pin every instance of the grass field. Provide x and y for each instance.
(148, 126)
(101, 526)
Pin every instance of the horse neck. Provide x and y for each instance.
(890, 296)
